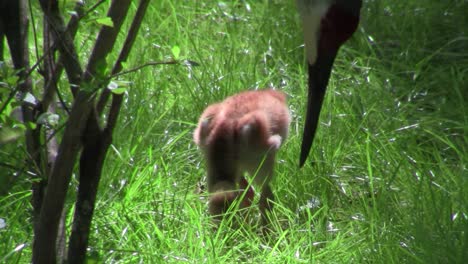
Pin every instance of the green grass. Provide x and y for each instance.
(389, 178)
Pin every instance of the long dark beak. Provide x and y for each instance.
(319, 74)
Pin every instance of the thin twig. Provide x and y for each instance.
(153, 63)
(36, 46)
(92, 8)
(70, 26)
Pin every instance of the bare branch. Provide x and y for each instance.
(82, 130)
(51, 86)
(105, 94)
(57, 188)
(151, 63)
(13, 16)
(53, 203)
(96, 144)
(92, 8)
(132, 34)
(64, 40)
(117, 99)
(106, 38)
(72, 27)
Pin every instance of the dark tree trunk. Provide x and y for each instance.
(14, 26)
(54, 165)
(96, 144)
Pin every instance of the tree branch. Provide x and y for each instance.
(139, 67)
(132, 33)
(64, 41)
(56, 71)
(50, 89)
(82, 130)
(51, 210)
(96, 145)
(14, 20)
(52, 206)
(106, 38)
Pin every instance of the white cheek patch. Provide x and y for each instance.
(312, 13)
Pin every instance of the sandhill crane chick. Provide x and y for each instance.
(242, 134)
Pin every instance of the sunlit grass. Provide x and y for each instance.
(387, 179)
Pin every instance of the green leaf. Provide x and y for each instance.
(115, 88)
(105, 21)
(175, 52)
(124, 65)
(118, 90)
(8, 135)
(12, 80)
(101, 68)
(19, 126)
(7, 109)
(30, 125)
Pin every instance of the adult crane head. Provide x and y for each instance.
(327, 24)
